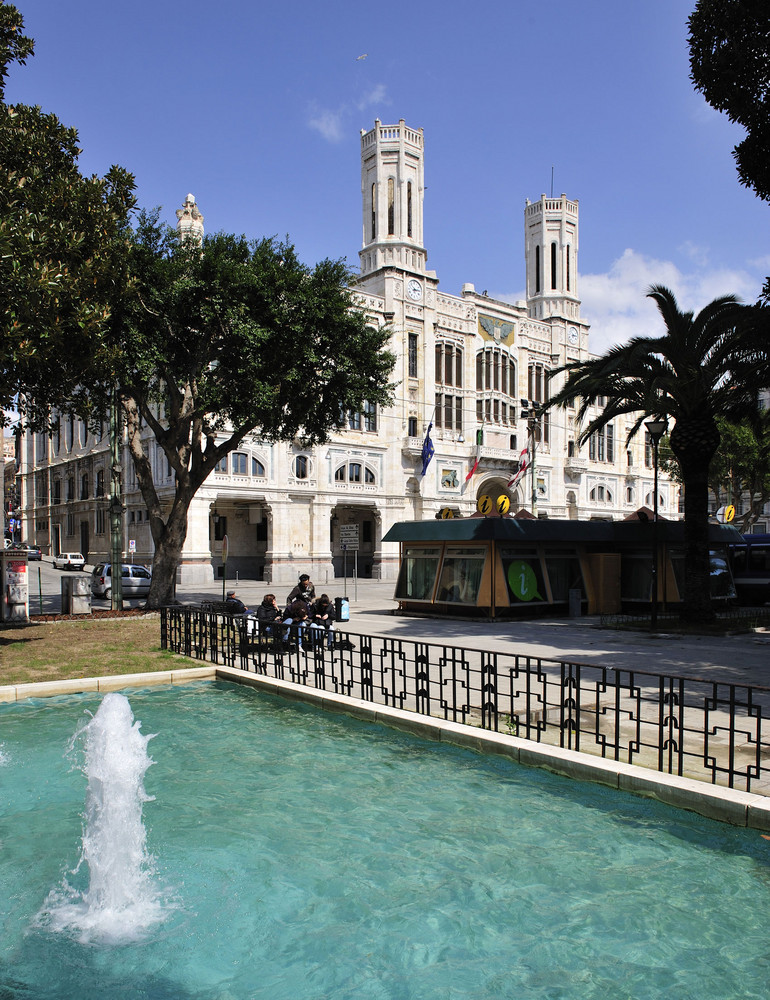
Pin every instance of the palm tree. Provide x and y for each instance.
(701, 368)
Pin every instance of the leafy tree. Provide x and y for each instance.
(703, 366)
(740, 468)
(729, 56)
(225, 337)
(63, 247)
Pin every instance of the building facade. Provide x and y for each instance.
(470, 369)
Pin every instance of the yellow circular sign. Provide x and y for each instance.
(447, 513)
(503, 503)
(729, 513)
(484, 505)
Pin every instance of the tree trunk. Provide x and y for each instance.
(694, 444)
(168, 553)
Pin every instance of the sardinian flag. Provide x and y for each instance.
(479, 440)
(523, 466)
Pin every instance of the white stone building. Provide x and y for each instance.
(465, 363)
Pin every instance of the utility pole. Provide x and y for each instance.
(116, 506)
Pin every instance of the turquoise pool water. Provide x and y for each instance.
(303, 855)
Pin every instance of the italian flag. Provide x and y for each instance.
(479, 439)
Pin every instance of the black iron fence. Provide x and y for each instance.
(711, 730)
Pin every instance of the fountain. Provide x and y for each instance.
(121, 900)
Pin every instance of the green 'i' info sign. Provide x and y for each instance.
(522, 581)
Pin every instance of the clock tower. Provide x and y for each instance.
(551, 251)
(392, 188)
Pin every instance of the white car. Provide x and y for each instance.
(69, 560)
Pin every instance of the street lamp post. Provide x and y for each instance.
(656, 428)
(532, 413)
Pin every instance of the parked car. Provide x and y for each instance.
(135, 580)
(33, 551)
(69, 560)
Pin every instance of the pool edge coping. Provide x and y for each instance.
(727, 805)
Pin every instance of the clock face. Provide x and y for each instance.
(572, 335)
(414, 290)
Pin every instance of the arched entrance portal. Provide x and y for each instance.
(355, 534)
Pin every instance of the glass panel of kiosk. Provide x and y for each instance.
(523, 575)
(417, 578)
(461, 574)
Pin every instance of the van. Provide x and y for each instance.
(135, 580)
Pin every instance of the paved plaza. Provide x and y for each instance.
(742, 659)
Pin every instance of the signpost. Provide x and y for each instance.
(349, 542)
(225, 548)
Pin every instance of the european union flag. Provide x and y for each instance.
(427, 450)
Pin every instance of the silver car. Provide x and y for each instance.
(135, 580)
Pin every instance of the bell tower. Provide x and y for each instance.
(551, 251)
(392, 188)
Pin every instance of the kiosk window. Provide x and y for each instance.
(564, 574)
(523, 576)
(418, 573)
(461, 574)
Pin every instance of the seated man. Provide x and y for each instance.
(322, 617)
(234, 604)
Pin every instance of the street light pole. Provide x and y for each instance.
(656, 430)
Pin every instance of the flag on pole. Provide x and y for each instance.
(479, 439)
(427, 450)
(523, 466)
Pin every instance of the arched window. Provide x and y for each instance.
(409, 209)
(257, 468)
(537, 268)
(553, 265)
(84, 486)
(449, 364)
(301, 466)
(568, 267)
(100, 483)
(391, 206)
(601, 494)
(374, 211)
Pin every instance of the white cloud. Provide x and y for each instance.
(333, 124)
(329, 124)
(616, 303)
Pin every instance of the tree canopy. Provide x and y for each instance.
(63, 246)
(229, 336)
(703, 366)
(730, 64)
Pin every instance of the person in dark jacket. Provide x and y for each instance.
(322, 618)
(235, 604)
(268, 613)
(304, 591)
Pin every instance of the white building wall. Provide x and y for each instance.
(282, 519)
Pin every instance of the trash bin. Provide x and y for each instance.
(76, 595)
(341, 609)
(575, 603)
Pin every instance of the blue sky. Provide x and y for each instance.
(256, 108)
